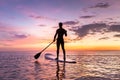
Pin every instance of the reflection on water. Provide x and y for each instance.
(60, 72)
(47, 72)
(23, 67)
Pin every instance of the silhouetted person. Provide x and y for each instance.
(60, 41)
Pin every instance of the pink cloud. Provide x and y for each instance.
(10, 33)
(42, 17)
(19, 35)
(33, 14)
(101, 5)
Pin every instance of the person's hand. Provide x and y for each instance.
(54, 40)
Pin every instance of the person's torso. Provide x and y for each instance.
(60, 33)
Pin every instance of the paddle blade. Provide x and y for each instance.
(37, 55)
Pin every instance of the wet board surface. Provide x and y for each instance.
(50, 56)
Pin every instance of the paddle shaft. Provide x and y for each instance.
(38, 54)
(46, 47)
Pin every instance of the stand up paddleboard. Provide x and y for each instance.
(50, 56)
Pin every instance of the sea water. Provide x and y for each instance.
(90, 64)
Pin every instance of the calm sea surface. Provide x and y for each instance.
(95, 65)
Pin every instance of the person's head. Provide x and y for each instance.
(60, 24)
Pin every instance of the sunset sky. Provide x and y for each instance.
(31, 24)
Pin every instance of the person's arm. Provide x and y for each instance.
(65, 33)
(55, 36)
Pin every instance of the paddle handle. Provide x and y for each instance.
(46, 47)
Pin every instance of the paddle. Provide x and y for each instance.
(38, 54)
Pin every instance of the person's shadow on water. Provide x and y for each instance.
(60, 71)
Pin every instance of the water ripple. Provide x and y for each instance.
(23, 67)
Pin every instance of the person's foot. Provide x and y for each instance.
(56, 58)
(64, 59)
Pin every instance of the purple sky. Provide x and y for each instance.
(36, 19)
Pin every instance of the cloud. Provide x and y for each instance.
(25, 10)
(115, 28)
(70, 22)
(20, 36)
(113, 22)
(10, 33)
(88, 16)
(94, 28)
(42, 25)
(117, 35)
(101, 5)
(42, 17)
(104, 38)
(90, 29)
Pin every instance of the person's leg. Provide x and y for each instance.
(58, 47)
(62, 45)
